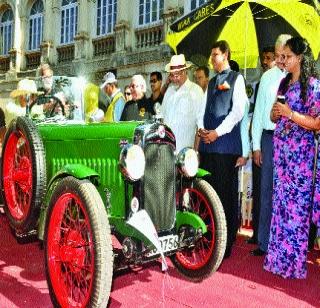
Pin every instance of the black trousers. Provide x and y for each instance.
(222, 178)
(256, 187)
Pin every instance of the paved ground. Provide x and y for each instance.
(240, 282)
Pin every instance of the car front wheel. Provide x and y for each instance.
(205, 256)
(78, 247)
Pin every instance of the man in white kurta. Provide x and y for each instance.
(182, 104)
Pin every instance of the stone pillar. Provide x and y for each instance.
(15, 51)
(83, 46)
(124, 29)
(51, 31)
(169, 16)
(122, 32)
(47, 53)
(21, 54)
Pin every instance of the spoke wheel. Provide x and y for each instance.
(17, 173)
(200, 260)
(78, 246)
(23, 174)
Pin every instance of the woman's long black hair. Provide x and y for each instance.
(299, 46)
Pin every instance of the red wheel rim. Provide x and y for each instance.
(70, 252)
(17, 175)
(198, 256)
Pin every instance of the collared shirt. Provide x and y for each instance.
(182, 112)
(14, 110)
(266, 97)
(118, 107)
(244, 131)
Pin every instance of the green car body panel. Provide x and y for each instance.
(87, 151)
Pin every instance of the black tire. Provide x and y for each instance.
(23, 174)
(78, 246)
(205, 257)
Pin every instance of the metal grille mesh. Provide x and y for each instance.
(158, 186)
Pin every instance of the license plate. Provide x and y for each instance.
(168, 243)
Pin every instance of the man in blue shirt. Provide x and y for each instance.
(262, 133)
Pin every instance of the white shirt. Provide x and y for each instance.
(266, 96)
(182, 112)
(13, 110)
(240, 100)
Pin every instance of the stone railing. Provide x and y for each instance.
(104, 45)
(4, 63)
(33, 59)
(149, 37)
(65, 53)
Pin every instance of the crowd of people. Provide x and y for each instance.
(211, 115)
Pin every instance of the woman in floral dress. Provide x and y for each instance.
(294, 151)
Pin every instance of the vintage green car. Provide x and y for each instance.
(105, 196)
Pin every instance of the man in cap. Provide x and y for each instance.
(182, 103)
(220, 145)
(139, 107)
(117, 100)
(24, 95)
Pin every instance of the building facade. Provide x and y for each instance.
(85, 37)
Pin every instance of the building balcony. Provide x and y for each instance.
(104, 46)
(149, 37)
(33, 59)
(65, 53)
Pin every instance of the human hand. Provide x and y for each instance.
(241, 161)
(257, 157)
(283, 109)
(275, 114)
(207, 136)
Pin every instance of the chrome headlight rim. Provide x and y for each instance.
(132, 162)
(188, 162)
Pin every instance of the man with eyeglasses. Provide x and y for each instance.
(182, 103)
(262, 134)
(138, 108)
(155, 85)
(53, 99)
(127, 93)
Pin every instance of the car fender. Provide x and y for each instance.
(78, 171)
(202, 173)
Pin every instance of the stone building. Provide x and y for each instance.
(85, 37)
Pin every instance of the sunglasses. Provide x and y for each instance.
(153, 80)
(127, 93)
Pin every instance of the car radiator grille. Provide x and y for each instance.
(158, 185)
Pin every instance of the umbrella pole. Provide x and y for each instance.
(240, 195)
(245, 47)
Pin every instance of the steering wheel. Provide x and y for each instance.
(44, 99)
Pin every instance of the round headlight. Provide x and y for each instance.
(187, 161)
(132, 162)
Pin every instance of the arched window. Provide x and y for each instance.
(69, 21)
(196, 3)
(106, 16)
(36, 25)
(6, 31)
(150, 11)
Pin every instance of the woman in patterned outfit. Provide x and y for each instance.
(294, 150)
